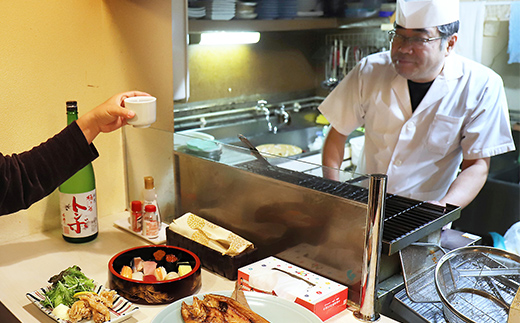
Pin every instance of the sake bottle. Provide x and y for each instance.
(78, 204)
(150, 196)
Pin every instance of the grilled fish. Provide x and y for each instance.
(218, 309)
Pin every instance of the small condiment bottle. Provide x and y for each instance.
(150, 196)
(150, 222)
(136, 217)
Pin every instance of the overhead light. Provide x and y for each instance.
(229, 38)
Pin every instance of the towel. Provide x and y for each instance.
(471, 30)
(514, 33)
(204, 232)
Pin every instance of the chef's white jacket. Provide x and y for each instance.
(463, 115)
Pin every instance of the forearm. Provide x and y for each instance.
(332, 154)
(468, 184)
(28, 177)
(88, 127)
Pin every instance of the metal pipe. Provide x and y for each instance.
(215, 114)
(289, 105)
(372, 250)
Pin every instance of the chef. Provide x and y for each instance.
(432, 118)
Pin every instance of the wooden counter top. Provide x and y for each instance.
(27, 264)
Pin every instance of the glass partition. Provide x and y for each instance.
(281, 204)
(198, 143)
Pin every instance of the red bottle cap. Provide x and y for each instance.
(137, 206)
(149, 208)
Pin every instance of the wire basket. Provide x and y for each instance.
(477, 284)
(418, 262)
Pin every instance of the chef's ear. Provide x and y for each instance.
(452, 40)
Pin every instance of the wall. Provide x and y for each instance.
(484, 36)
(293, 61)
(146, 27)
(494, 55)
(279, 62)
(85, 50)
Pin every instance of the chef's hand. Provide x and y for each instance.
(108, 116)
(332, 154)
(437, 203)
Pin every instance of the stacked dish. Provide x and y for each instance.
(196, 13)
(246, 10)
(288, 9)
(217, 9)
(204, 148)
(267, 9)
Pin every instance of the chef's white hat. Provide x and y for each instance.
(416, 14)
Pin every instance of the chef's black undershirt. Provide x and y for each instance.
(417, 92)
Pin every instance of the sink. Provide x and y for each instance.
(301, 131)
(302, 138)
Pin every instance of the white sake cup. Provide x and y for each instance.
(144, 108)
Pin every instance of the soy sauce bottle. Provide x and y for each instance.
(78, 204)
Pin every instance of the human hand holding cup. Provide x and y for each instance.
(145, 110)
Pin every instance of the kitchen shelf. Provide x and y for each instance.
(203, 25)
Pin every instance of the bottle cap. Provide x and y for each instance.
(149, 208)
(137, 206)
(148, 182)
(72, 106)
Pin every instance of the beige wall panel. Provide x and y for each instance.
(54, 51)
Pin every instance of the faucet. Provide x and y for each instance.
(262, 108)
(283, 115)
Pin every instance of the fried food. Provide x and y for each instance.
(218, 309)
(92, 306)
(98, 317)
(100, 312)
(107, 297)
(79, 310)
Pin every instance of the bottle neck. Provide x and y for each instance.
(72, 116)
(149, 195)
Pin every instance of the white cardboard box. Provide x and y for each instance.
(324, 297)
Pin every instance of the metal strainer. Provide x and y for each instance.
(418, 262)
(477, 297)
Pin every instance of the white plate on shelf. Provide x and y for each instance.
(309, 13)
(247, 15)
(121, 310)
(124, 224)
(272, 308)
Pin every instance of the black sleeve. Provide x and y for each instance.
(30, 176)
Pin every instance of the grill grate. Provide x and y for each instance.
(406, 220)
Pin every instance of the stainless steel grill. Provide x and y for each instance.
(299, 217)
(406, 220)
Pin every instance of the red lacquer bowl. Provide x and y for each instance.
(159, 292)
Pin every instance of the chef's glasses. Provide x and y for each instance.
(417, 42)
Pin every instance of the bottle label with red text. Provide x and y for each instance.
(79, 214)
(151, 228)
